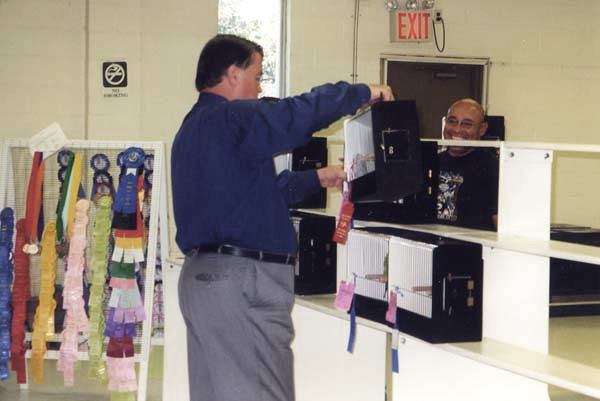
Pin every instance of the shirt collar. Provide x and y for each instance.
(208, 97)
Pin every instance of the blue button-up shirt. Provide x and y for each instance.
(225, 189)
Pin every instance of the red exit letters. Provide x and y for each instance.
(413, 26)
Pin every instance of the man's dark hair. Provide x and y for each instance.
(221, 52)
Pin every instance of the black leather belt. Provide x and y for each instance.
(248, 253)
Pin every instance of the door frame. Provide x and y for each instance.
(385, 58)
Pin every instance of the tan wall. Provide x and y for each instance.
(544, 74)
(52, 53)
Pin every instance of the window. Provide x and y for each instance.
(261, 22)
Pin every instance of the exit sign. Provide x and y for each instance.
(410, 26)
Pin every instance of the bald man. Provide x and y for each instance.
(468, 179)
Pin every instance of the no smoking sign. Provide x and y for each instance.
(114, 74)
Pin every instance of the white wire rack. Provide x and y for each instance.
(15, 167)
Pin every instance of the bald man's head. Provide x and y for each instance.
(464, 121)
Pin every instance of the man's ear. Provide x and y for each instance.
(232, 74)
(483, 128)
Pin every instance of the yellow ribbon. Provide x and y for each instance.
(43, 323)
(74, 184)
(129, 243)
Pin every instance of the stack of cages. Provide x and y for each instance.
(316, 263)
(393, 178)
(437, 281)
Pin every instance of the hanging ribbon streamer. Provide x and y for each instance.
(125, 302)
(73, 194)
(148, 172)
(390, 316)
(102, 183)
(395, 367)
(97, 270)
(6, 278)
(34, 217)
(76, 320)
(147, 194)
(126, 199)
(352, 336)
(65, 160)
(345, 301)
(20, 296)
(43, 323)
(120, 363)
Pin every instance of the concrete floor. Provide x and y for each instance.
(574, 338)
(84, 390)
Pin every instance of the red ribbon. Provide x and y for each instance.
(120, 347)
(34, 197)
(20, 295)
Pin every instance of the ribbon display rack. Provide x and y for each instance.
(15, 172)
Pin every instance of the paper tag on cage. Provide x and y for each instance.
(343, 299)
(344, 221)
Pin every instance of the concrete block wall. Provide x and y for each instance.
(544, 74)
(41, 52)
(52, 54)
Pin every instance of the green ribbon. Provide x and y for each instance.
(98, 267)
(122, 270)
(64, 191)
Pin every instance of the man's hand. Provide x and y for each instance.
(331, 176)
(380, 92)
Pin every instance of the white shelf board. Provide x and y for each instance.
(546, 368)
(538, 366)
(531, 246)
(562, 147)
(325, 304)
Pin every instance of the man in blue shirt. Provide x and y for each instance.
(231, 211)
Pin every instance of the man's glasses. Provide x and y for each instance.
(465, 124)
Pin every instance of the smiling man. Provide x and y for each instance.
(468, 179)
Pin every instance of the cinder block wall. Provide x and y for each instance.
(544, 76)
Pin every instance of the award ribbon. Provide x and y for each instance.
(20, 296)
(33, 209)
(352, 336)
(72, 194)
(125, 302)
(120, 363)
(43, 322)
(97, 271)
(65, 159)
(126, 199)
(6, 277)
(76, 320)
(102, 181)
